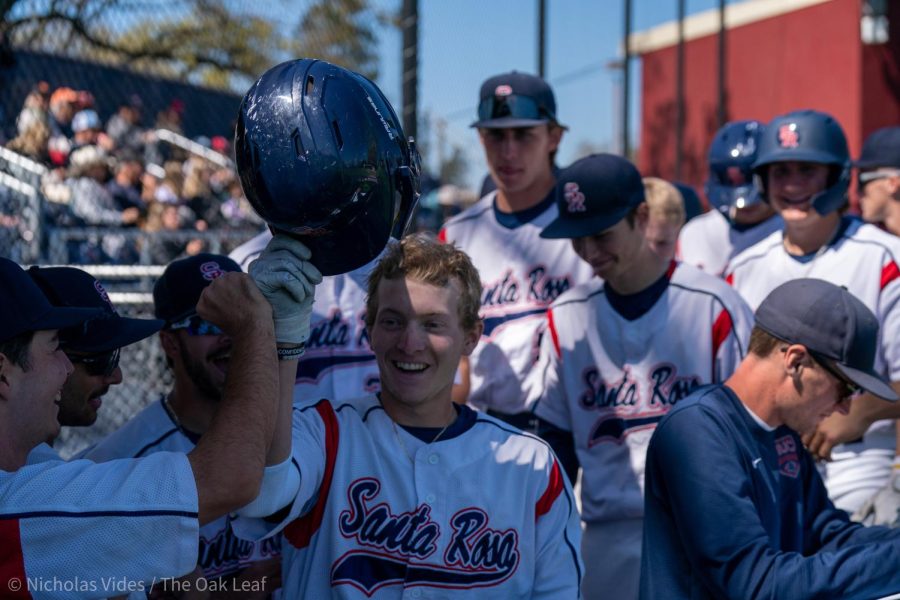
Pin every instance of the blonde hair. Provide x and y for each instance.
(423, 258)
(664, 201)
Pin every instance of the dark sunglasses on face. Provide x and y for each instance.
(520, 107)
(195, 325)
(849, 388)
(97, 364)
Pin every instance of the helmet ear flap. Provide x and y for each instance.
(407, 185)
(759, 182)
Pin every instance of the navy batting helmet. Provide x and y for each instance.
(807, 136)
(732, 153)
(321, 156)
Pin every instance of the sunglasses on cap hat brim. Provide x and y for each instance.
(512, 111)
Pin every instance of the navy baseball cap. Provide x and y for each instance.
(178, 290)
(881, 149)
(24, 307)
(67, 286)
(515, 100)
(832, 323)
(593, 194)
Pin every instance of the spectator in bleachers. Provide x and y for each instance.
(125, 186)
(87, 130)
(93, 205)
(34, 109)
(124, 127)
(167, 218)
(33, 142)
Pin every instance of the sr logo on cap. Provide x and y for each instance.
(788, 136)
(574, 197)
(503, 90)
(211, 270)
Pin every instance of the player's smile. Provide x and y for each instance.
(792, 185)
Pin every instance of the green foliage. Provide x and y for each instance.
(341, 32)
(206, 42)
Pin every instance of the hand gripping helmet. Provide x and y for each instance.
(807, 136)
(731, 156)
(321, 156)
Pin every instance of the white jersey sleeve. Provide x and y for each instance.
(155, 429)
(85, 530)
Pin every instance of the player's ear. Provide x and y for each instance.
(169, 344)
(471, 337)
(796, 357)
(5, 365)
(556, 133)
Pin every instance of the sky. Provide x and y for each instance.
(463, 42)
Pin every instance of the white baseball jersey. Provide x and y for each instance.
(709, 241)
(484, 511)
(338, 362)
(84, 530)
(521, 274)
(610, 380)
(155, 429)
(864, 259)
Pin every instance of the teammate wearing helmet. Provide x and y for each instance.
(521, 273)
(802, 171)
(739, 218)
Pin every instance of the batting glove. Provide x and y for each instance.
(884, 507)
(288, 280)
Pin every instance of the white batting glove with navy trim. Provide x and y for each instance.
(288, 280)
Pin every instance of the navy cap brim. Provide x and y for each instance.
(107, 334)
(869, 381)
(567, 228)
(868, 163)
(57, 317)
(798, 155)
(508, 123)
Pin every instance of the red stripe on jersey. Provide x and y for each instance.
(720, 332)
(442, 235)
(12, 561)
(551, 326)
(729, 279)
(889, 273)
(672, 266)
(554, 489)
(300, 531)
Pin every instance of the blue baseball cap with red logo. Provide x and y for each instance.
(593, 194)
(178, 290)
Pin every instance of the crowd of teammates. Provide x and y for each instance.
(559, 304)
(117, 173)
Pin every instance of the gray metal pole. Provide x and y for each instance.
(626, 82)
(410, 84)
(679, 94)
(542, 36)
(721, 112)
